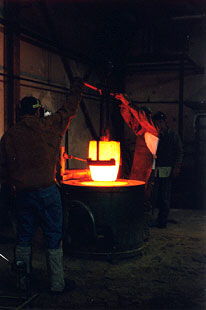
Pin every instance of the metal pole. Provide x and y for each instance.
(11, 62)
(181, 96)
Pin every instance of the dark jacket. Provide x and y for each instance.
(29, 149)
(169, 151)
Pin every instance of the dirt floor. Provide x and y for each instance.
(169, 273)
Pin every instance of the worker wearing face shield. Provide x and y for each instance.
(28, 156)
(140, 121)
(168, 165)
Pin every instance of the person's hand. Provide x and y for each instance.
(147, 126)
(123, 98)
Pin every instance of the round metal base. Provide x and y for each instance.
(109, 256)
(104, 221)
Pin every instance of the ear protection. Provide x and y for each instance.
(37, 104)
(28, 105)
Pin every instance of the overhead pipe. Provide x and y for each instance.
(187, 17)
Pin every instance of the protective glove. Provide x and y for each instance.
(123, 98)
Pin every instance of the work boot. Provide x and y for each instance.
(24, 254)
(22, 268)
(55, 269)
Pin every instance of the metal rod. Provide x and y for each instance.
(64, 89)
(4, 258)
(27, 302)
(186, 17)
(181, 96)
(97, 150)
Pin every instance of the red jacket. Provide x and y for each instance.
(143, 158)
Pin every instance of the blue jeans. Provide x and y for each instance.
(39, 208)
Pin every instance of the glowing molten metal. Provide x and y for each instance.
(107, 150)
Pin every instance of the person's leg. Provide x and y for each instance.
(148, 207)
(26, 204)
(164, 201)
(51, 223)
(26, 227)
(155, 194)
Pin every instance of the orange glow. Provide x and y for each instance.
(105, 183)
(107, 151)
(117, 183)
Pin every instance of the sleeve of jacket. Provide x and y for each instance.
(62, 118)
(144, 121)
(129, 118)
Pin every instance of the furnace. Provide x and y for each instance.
(103, 215)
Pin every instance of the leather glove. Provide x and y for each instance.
(123, 98)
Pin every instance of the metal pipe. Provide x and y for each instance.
(64, 89)
(181, 96)
(4, 258)
(186, 17)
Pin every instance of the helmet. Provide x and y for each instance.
(29, 105)
(159, 116)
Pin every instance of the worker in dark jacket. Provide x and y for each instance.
(168, 165)
(28, 156)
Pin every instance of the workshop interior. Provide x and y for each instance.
(153, 51)
(156, 56)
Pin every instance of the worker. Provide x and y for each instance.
(168, 165)
(28, 155)
(140, 121)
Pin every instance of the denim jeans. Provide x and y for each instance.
(39, 208)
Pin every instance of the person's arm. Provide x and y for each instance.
(62, 118)
(145, 121)
(128, 117)
(136, 118)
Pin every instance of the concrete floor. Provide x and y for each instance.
(169, 273)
